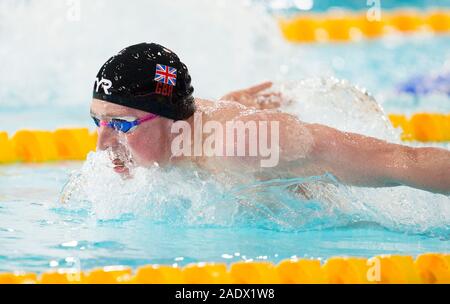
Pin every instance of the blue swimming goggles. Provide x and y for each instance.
(123, 125)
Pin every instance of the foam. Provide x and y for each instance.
(189, 197)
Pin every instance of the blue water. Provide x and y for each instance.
(39, 233)
(174, 217)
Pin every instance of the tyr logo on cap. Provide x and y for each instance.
(166, 78)
(106, 84)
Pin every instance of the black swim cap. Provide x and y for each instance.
(147, 77)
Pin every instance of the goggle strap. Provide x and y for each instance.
(146, 118)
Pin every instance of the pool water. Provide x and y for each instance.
(38, 234)
(74, 214)
(176, 217)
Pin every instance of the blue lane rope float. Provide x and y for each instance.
(427, 84)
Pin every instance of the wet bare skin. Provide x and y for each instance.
(305, 149)
(151, 141)
(295, 140)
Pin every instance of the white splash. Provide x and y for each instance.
(192, 197)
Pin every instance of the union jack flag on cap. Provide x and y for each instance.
(166, 74)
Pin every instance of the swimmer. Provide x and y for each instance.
(144, 109)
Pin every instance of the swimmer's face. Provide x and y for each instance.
(146, 144)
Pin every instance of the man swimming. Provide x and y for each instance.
(146, 113)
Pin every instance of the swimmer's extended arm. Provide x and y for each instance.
(367, 161)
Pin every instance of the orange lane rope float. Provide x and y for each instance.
(427, 268)
(43, 146)
(347, 26)
(424, 127)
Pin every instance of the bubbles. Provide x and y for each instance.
(166, 195)
(186, 195)
(341, 105)
(110, 195)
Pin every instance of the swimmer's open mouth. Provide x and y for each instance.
(119, 166)
(121, 162)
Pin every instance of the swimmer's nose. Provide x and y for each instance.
(107, 138)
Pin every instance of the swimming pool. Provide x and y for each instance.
(179, 217)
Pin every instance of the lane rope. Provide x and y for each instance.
(345, 26)
(429, 268)
(35, 146)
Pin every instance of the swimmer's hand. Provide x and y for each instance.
(255, 98)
